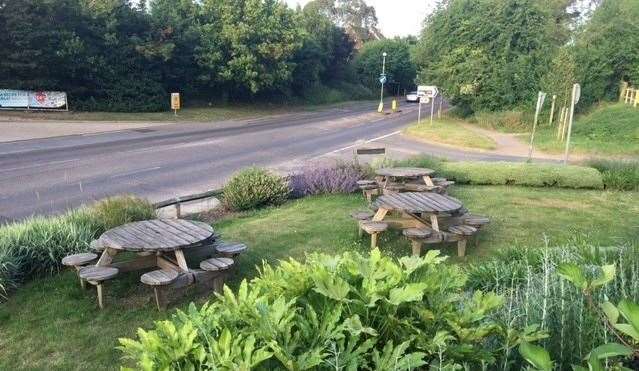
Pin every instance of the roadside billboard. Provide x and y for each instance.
(23, 99)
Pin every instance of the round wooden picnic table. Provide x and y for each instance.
(405, 172)
(419, 203)
(158, 235)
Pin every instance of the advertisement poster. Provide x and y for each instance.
(32, 99)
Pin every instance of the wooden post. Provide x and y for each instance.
(561, 122)
(552, 110)
(416, 247)
(461, 248)
(574, 98)
(373, 241)
(100, 299)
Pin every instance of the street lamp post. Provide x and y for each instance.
(382, 80)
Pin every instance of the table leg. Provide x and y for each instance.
(380, 214)
(428, 181)
(434, 223)
(181, 260)
(107, 257)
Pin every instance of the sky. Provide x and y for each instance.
(396, 17)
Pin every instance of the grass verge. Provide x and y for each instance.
(451, 132)
(50, 323)
(610, 130)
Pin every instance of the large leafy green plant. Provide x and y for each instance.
(347, 312)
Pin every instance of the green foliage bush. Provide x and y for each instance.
(535, 293)
(37, 245)
(254, 187)
(618, 174)
(507, 173)
(524, 174)
(346, 312)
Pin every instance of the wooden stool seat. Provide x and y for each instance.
(160, 277)
(216, 264)
(362, 215)
(364, 182)
(446, 183)
(373, 227)
(81, 259)
(230, 248)
(463, 230)
(417, 232)
(438, 180)
(95, 274)
(475, 220)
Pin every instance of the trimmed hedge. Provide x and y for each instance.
(524, 174)
(37, 245)
(509, 173)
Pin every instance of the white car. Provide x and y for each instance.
(413, 96)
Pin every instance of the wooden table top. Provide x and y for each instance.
(419, 202)
(405, 172)
(157, 235)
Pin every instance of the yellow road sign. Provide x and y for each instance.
(175, 101)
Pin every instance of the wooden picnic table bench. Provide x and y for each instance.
(420, 213)
(400, 179)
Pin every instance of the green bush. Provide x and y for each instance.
(37, 245)
(535, 293)
(347, 312)
(506, 173)
(524, 174)
(254, 187)
(618, 174)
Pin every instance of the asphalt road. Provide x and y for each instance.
(44, 176)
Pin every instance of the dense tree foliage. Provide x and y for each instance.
(113, 55)
(489, 54)
(399, 66)
(607, 49)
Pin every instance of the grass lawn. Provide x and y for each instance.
(611, 130)
(194, 114)
(450, 131)
(51, 324)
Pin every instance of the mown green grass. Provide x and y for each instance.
(450, 131)
(611, 130)
(51, 324)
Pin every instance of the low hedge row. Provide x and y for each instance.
(37, 245)
(509, 173)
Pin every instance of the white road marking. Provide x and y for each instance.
(135, 172)
(358, 144)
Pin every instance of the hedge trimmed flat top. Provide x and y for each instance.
(418, 203)
(158, 235)
(405, 172)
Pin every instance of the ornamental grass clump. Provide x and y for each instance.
(618, 174)
(336, 313)
(317, 179)
(253, 187)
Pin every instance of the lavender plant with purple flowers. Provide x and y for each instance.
(317, 179)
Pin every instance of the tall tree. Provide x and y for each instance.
(399, 66)
(249, 44)
(488, 54)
